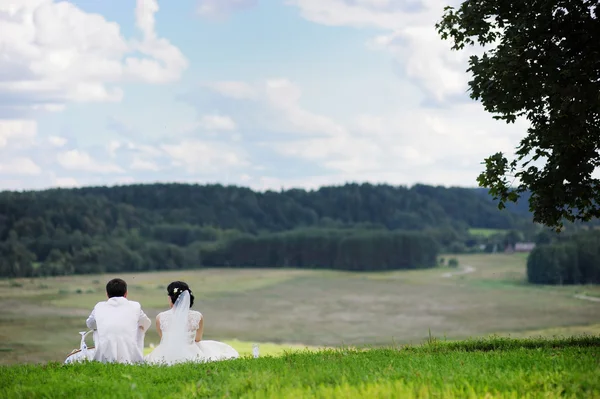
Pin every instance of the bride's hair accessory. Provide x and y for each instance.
(176, 288)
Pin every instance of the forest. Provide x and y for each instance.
(177, 226)
(571, 260)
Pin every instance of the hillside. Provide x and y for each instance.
(521, 207)
(488, 368)
(174, 226)
(242, 209)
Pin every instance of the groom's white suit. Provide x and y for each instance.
(121, 325)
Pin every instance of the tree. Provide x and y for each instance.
(544, 65)
(512, 237)
(576, 260)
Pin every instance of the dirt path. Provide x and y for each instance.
(471, 269)
(587, 298)
(465, 270)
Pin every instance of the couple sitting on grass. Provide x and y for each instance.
(120, 327)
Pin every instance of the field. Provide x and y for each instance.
(291, 309)
(491, 368)
(486, 232)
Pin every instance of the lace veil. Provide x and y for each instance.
(175, 337)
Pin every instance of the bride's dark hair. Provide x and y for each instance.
(176, 288)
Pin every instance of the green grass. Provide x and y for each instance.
(266, 348)
(40, 318)
(486, 232)
(591, 329)
(489, 368)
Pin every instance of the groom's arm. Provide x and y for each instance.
(144, 321)
(91, 320)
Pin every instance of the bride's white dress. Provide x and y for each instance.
(178, 338)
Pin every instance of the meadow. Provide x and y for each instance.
(285, 309)
(485, 232)
(487, 368)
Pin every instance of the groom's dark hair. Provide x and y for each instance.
(116, 287)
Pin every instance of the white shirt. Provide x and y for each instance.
(121, 325)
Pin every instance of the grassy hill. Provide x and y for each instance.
(491, 368)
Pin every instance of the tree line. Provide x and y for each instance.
(566, 260)
(99, 210)
(174, 226)
(177, 226)
(357, 250)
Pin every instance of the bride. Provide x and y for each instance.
(180, 330)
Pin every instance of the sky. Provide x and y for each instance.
(267, 94)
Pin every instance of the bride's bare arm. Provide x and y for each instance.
(200, 330)
(158, 330)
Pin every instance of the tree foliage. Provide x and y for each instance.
(543, 64)
(574, 260)
(176, 226)
(357, 250)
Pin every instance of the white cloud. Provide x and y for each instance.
(65, 182)
(17, 133)
(233, 89)
(244, 177)
(284, 96)
(440, 145)
(217, 122)
(342, 153)
(205, 157)
(78, 160)
(139, 163)
(54, 53)
(143, 148)
(123, 180)
(283, 99)
(57, 141)
(166, 63)
(19, 166)
(381, 14)
(428, 59)
(112, 147)
(410, 37)
(222, 8)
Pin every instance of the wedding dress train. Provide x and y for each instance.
(178, 326)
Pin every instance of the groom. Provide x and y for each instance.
(121, 325)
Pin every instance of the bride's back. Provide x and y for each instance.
(194, 318)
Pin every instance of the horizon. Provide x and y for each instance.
(264, 95)
(207, 184)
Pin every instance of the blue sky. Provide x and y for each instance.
(266, 94)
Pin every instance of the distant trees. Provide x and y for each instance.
(575, 260)
(175, 226)
(15, 258)
(353, 227)
(357, 250)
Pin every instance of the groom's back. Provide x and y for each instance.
(120, 325)
(117, 321)
(118, 316)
